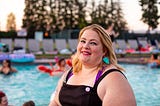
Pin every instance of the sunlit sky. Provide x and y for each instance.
(131, 9)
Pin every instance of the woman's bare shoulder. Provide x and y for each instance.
(115, 85)
(13, 69)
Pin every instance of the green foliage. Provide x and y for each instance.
(106, 13)
(11, 23)
(150, 13)
(53, 16)
(9, 34)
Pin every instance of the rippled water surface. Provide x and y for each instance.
(145, 83)
(30, 84)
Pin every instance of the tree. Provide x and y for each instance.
(28, 19)
(72, 14)
(52, 14)
(35, 16)
(56, 15)
(150, 13)
(96, 13)
(117, 17)
(108, 12)
(11, 22)
(80, 20)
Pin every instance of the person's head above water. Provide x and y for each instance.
(3, 99)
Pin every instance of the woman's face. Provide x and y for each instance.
(4, 101)
(5, 63)
(90, 49)
(62, 63)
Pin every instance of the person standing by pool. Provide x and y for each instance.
(6, 67)
(111, 32)
(95, 79)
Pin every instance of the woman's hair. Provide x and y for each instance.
(155, 56)
(29, 103)
(60, 61)
(2, 94)
(107, 47)
(9, 62)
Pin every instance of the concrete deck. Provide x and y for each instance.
(120, 60)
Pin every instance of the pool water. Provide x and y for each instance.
(30, 84)
(145, 83)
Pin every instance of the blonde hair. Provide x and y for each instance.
(107, 47)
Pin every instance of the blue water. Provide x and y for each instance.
(145, 83)
(30, 84)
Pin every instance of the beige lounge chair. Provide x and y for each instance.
(73, 44)
(20, 43)
(122, 44)
(48, 46)
(62, 46)
(133, 43)
(34, 46)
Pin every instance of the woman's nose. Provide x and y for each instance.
(86, 45)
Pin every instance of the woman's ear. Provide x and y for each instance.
(104, 52)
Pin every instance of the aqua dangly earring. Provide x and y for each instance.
(106, 60)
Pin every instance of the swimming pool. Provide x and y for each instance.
(30, 84)
(145, 83)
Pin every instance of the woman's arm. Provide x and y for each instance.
(52, 67)
(115, 90)
(13, 69)
(55, 99)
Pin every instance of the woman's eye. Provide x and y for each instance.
(82, 41)
(93, 43)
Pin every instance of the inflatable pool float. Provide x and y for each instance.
(22, 58)
(49, 71)
(4, 57)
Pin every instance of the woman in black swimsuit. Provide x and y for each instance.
(6, 67)
(95, 79)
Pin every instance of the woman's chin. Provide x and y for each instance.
(85, 61)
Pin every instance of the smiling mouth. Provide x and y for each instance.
(85, 53)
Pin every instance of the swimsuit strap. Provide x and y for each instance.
(99, 74)
(105, 74)
(69, 74)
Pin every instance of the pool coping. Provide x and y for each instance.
(128, 60)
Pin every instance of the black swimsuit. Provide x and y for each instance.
(82, 95)
(1, 72)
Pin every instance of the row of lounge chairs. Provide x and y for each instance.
(135, 46)
(47, 45)
(50, 46)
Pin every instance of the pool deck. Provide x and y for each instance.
(128, 60)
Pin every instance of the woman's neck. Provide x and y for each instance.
(88, 70)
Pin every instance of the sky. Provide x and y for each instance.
(131, 10)
(8, 6)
